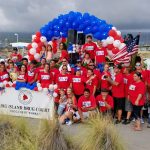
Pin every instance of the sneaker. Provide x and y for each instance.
(148, 126)
(117, 121)
(69, 123)
(126, 121)
(142, 121)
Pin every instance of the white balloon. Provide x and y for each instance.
(34, 45)
(104, 43)
(51, 87)
(32, 51)
(116, 43)
(10, 83)
(114, 28)
(55, 94)
(55, 86)
(14, 82)
(122, 45)
(38, 84)
(39, 88)
(43, 39)
(50, 43)
(33, 37)
(110, 40)
(119, 33)
(37, 56)
(110, 54)
(1, 84)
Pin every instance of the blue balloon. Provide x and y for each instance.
(43, 32)
(68, 25)
(50, 34)
(87, 30)
(95, 29)
(80, 19)
(57, 28)
(86, 16)
(104, 35)
(81, 27)
(64, 34)
(75, 25)
(56, 33)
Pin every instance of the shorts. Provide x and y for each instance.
(119, 103)
(60, 110)
(128, 105)
(31, 86)
(20, 85)
(136, 111)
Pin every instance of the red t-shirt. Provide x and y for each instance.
(90, 85)
(118, 91)
(64, 54)
(128, 79)
(86, 102)
(100, 54)
(45, 79)
(40, 69)
(63, 81)
(4, 76)
(104, 83)
(101, 104)
(78, 84)
(55, 72)
(22, 76)
(90, 48)
(31, 74)
(16, 57)
(135, 89)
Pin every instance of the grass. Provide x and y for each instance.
(100, 134)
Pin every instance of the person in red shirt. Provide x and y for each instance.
(45, 77)
(105, 102)
(54, 70)
(100, 54)
(128, 79)
(91, 81)
(4, 76)
(90, 47)
(64, 52)
(105, 74)
(97, 73)
(32, 75)
(22, 78)
(137, 97)
(86, 105)
(118, 92)
(16, 56)
(78, 83)
(41, 67)
(71, 107)
(63, 80)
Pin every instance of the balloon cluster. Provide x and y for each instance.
(114, 41)
(7, 84)
(86, 23)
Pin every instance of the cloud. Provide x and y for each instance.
(30, 15)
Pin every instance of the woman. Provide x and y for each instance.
(91, 81)
(3, 73)
(137, 97)
(22, 78)
(69, 116)
(49, 54)
(45, 77)
(43, 52)
(105, 74)
(63, 51)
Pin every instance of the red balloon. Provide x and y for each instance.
(121, 40)
(112, 33)
(63, 40)
(117, 37)
(38, 34)
(36, 39)
(29, 46)
(31, 57)
(38, 50)
(115, 50)
(110, 46)
(40, 44)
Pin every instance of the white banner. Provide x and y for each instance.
(26, 103)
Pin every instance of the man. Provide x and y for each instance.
(16, 56)
(25, 61)
(41, 67)
(86, 105)
(89, 47)
(118, 92)
(100, 54)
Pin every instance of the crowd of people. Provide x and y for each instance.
(84, 89)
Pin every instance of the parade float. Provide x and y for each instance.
(39, 104)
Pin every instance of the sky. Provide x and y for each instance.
(31, 15)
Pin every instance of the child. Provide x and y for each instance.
(87, 60)
(62, 102)
(49, 53)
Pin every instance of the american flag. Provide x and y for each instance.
(124, 55)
